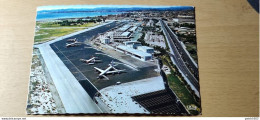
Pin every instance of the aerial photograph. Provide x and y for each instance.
(114, 59)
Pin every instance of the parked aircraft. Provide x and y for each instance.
(110, 70)
(91, 61)
(76, 43)
(72, 40)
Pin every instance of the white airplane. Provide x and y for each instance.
(72, 40)
(91, 61)
(110, 70)
(76, 43)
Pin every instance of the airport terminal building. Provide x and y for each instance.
(136, 50)
(135, 53)
(122, 36)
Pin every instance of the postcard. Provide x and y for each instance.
(114, 59)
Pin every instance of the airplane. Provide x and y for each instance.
(76, 43)
(91, 61)
(72, 40)
(110, 70)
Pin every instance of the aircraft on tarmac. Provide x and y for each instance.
(91, 61)
(110, 70)
(72, 40)
(76, 43)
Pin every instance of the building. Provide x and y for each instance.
(150, 23)
(133, 29)
(146, 49)
(184, 20)
(124, 28)
(134, 53)
(184, 30)
(104, 39)
(122, 36)
(155, 40)
(132, 44)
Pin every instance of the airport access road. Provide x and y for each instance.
(189, 62)
(178, 60)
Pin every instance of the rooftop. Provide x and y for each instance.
(126, 34)
(133, 28)
(131, 42)
(145, 47)
(134, 51)
(124, 28)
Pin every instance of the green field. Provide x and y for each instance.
(54, 24)
(49, 30)
(192, 49)
(182, 92)
(180, 88)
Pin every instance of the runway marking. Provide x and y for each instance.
(70, 50)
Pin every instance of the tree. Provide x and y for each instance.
(104, 19)
(99, 20)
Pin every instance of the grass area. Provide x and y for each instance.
(178, 84)
(51, 30)
(49, 34)
(182, 92)
(192, 49)
(179, 87)
(54, 24)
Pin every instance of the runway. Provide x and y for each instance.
(74, 97)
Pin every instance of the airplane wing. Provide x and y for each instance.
(115, 71)
(98, 60)
(99, 69)
(105, 77)
(91, 63)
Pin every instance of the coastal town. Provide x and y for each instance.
(141, 60)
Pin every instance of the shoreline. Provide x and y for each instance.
(51, 86)
(42, 97)
(53, 19)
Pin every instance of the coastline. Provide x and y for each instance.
(79, 17)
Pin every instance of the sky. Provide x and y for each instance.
(96, 6)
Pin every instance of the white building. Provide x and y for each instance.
(134, 53)
(133, 29)
(122, 36)
(146, 49)
(124, 28)
(132, 44)
(104, 39)
(155, 40)
(182, 20)
(150, 23)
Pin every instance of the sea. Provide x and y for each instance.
(48, 14)
(59, 15)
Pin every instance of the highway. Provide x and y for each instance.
(178, 59)
(184, 53)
